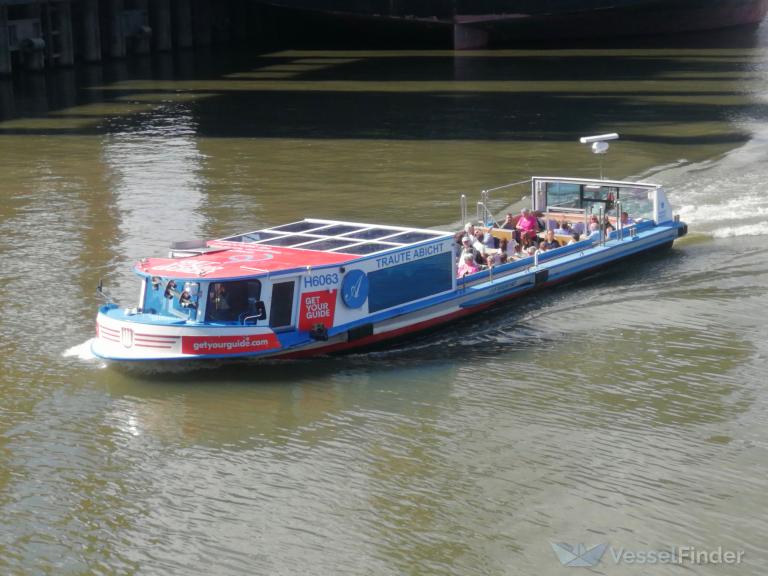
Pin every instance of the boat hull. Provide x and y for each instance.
(124, 339)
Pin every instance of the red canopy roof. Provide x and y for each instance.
(238, 259)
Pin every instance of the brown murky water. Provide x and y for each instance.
(628, 409)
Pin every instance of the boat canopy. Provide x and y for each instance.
(300, 245)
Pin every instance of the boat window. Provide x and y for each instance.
(637, 202)
(281, 309)
(232, 301)
(563, 194)
(603, 194)
(154, 302)
(411, 281)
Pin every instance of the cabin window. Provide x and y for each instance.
(154, 302)
(563, 194)
(411, 281)
(637, 202)
(232, 301)
(281, 308)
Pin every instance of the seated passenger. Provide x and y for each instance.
(549, 241)
(466, 266)
(457, 244)
(467, 248)
(218, 303)
(527, 224)
(574, 238)
(543, 246)
(483, 243)
(563, 228)
(594, 229)
(509, 249)
(626, 220)
(509, 222)
(608, 230)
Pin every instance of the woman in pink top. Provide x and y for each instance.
(466, 266)
(527, 224)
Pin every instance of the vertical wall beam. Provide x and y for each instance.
(91, 31)
(220, 22)
(117, 48)
(160, 21)
(5, 49)
(183, 23)
(143, 41)
(66, 42)
(201, 17)
(34, 56)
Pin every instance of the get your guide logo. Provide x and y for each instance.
(579, 555)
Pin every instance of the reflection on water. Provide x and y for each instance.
(628, 408)
(155, 169)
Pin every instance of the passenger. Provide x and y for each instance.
(509, 249)
(218, 302)
(466, 266)
(574, 238)
(626, 220)
(483, 242)
(563, 228)
(467, 248)
(608, 229)
(509, 222)
(549, 240)
(457, 243)
(527, 224)
(543, 246)
(594, 229)
(469, 229)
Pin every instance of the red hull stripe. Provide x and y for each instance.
(419, 326)
(161, 336)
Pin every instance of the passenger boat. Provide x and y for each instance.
(317, 286)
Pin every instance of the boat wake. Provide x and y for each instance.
(725, 197)
(81, 352)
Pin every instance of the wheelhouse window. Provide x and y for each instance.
(233, 301)
(169, 297)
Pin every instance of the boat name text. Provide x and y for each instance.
(408, 255)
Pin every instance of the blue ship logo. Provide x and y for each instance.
(578, 555)
(354, 288)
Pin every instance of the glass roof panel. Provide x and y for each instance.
(367, 248)
(338, 229)
(302, 226)
(411, 237)
(288, 240)
(327, 244)
(372, 234)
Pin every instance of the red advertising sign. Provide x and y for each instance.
(317, 308)
(228, 344)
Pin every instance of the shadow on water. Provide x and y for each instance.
(544, 94)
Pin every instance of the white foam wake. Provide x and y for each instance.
(725, 197)
(80, 351)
